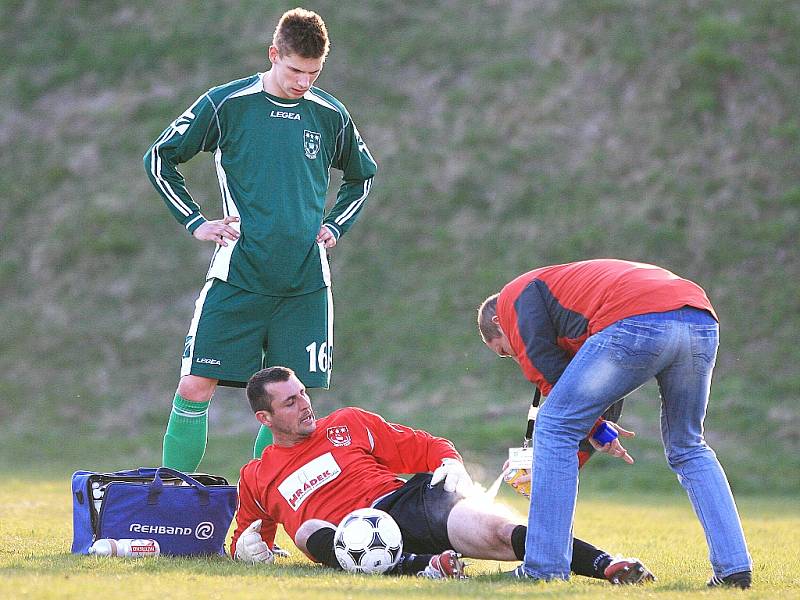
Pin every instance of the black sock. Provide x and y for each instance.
(518, 541)
(411, 564)
(588, 560)
(320, 546)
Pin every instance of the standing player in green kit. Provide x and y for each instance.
(267, 297)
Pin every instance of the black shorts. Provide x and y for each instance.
(421, 511)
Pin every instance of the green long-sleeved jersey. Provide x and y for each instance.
(273, 158)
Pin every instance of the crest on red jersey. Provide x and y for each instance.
(339, 435)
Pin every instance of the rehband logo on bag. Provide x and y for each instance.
(203, 531)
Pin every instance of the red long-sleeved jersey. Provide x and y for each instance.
(548, 313)
(352, 459)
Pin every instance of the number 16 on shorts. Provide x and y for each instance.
(319, 357)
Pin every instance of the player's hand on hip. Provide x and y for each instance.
(455, 477)
(218, 231)
(614, 447)
(326, 237)
(251, 548)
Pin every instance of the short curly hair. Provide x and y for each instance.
(301, 32)
(257, 386)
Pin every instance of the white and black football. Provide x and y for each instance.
(368, 541)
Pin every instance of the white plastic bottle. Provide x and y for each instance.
(97, 496)
(125, 547)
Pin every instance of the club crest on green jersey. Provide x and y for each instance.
(311, 143)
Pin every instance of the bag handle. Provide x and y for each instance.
(140, 472)
(157, 485)
(144, 471)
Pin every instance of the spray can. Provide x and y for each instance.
(125, 547)
(511, 477)
(519, 464)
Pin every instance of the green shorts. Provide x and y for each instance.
(235, 333)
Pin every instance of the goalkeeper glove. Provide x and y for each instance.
(455, 477)
(251, 548)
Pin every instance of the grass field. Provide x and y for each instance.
(36, 528)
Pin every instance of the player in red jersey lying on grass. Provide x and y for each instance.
(318, 470)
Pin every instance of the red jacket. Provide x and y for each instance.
(548, 313)
(351, 460)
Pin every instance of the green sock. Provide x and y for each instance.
(186, 436)
(263, 440)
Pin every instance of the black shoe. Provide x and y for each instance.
(519, 573)
(741, 580)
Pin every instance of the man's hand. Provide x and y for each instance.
(218, 231)
(614, 448)
(520, 482)
(326, 237)
(455, 477)
(251, 547)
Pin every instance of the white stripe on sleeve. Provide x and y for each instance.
(355, 205)
(161, 182)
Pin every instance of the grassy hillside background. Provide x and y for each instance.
(509, 134)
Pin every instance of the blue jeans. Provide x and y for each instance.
(679, 349)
